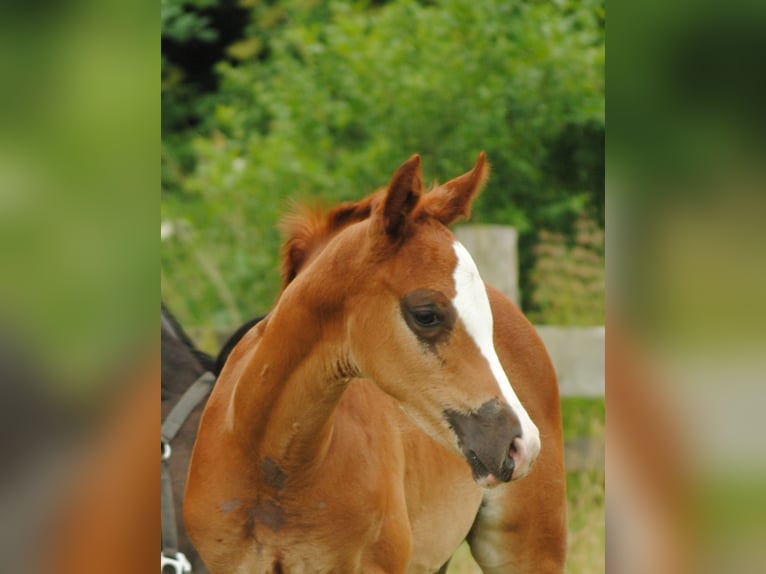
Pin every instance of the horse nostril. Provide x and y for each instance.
(514, 454)
(509, 465)
(517, 452)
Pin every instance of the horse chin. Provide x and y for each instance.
(484, 475)
(488, 481)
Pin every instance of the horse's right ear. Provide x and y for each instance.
(401, 197)
(452, 200)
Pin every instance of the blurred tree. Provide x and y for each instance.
(326, 99)
(195, 36)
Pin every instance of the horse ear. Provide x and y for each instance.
(452, 200)
(402, 196)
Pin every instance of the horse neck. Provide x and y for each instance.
(287, 391)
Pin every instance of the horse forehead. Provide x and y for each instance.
(427, 261)
(466, 272)
(450, 269)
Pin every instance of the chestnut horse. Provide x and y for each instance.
(383, 411)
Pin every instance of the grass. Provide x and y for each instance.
(585, 495)
(585, 489)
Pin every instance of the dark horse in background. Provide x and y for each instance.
(183, 364)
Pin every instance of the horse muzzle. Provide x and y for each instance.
(492, 441)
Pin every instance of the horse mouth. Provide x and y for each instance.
(485, 438)
(484, 476)
(478, 469)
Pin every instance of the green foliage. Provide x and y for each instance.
(583, 417)
(181, 22)
(326, 99)
(586, 513)
(568, 279)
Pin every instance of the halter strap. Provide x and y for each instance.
(170, 555)
(188, 402)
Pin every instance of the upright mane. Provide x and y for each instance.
(308, 229)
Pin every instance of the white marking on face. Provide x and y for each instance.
(472, 305)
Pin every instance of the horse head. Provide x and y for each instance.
(416, 315)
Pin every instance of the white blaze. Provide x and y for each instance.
(472, 305)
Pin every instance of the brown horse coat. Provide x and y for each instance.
(359, 427)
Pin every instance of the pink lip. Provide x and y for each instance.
(488, 481)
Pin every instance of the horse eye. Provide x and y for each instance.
(429, 315)
(427, 318)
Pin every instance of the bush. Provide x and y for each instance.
(568, 279)
(331, 97)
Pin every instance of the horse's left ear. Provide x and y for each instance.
(402, 196)
(452, 200)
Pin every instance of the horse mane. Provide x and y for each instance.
(308, 229)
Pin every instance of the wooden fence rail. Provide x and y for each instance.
(577, 354)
